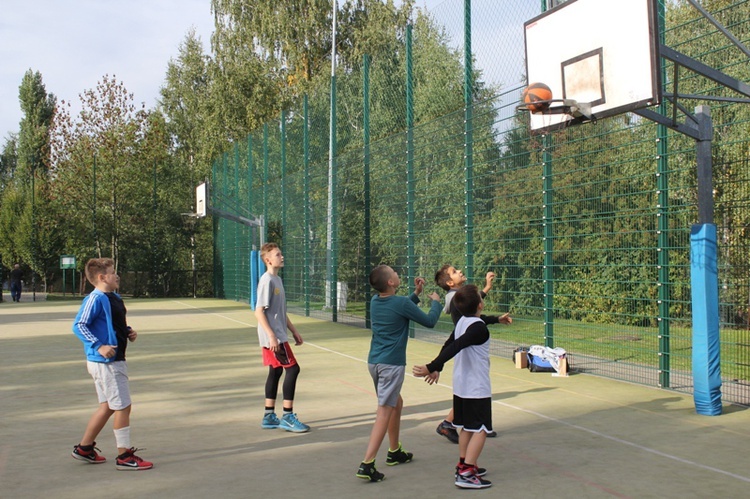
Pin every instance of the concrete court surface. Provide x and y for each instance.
(197, 384)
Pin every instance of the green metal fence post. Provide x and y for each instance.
(250, 177)
(306, 181)
(214, 236)
(549, 243)
(236, 228)
(548, 237)
(332, 242)
(154, 283)
(366, 131)
(265, 172)
(410, 260)
(468, 145)
(250, 210)
(283, 179)
(93, 213)
(224, 228)
(662, 189)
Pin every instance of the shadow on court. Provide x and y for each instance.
(197, 385)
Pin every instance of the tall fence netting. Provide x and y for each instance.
(599, 266)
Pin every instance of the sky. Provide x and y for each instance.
(73, 43)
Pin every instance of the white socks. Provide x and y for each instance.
(122, 437)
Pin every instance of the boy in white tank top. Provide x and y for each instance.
(472, 391)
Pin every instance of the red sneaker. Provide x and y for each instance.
(88, 455)
(129, 461)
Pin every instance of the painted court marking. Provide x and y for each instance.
(527, 411)
(214, 313)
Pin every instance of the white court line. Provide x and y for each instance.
(582, 428)
(527, 411)
(625, 442)
(214, 313)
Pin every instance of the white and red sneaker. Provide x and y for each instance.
(88, 454)
(130, 462)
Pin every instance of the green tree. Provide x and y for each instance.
(38, 108)
(35, 246)
(184, 103)
(193, 130)
(11, 211)
(293, 37)
(109, 207)
(8, 161)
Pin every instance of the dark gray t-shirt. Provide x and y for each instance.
(271, 297)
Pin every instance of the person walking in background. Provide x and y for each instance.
(102, 327)
(273, 322)
(16, 282)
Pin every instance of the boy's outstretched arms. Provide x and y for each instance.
(418, 285)
(424, 372)
(488, 282)
(496, 319)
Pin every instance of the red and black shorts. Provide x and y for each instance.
(284, 357)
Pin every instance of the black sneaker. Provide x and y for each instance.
(398, 456)
(477, 471)
(88, 455)
(128, 461)
(492, 434)
(448, 431)
(468, 479)
(367, 471)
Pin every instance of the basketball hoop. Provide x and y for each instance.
(571, 107)
(557, 113)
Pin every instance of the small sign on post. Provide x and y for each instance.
(68, 262)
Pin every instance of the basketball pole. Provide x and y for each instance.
(704, 274)
(704, 279)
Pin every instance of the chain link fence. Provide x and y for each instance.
(420, 179)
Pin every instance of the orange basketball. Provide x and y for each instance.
(534, 95)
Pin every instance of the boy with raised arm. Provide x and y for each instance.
(387, 362)
(472, 392)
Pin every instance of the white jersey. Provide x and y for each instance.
(471, 370)
(448, 298)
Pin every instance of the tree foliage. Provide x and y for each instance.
(25, 212)
(106, 164)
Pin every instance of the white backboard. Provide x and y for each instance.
(602, 52)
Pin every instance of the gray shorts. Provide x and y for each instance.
(388, 380)
(111, 381)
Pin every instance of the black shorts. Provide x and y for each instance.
(472, 414)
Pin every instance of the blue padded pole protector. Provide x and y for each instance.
(704, 280)
(253, 277)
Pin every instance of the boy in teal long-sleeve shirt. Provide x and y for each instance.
(387, 361)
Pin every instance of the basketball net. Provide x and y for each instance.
(550, 117)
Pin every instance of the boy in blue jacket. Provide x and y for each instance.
(102, 327)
